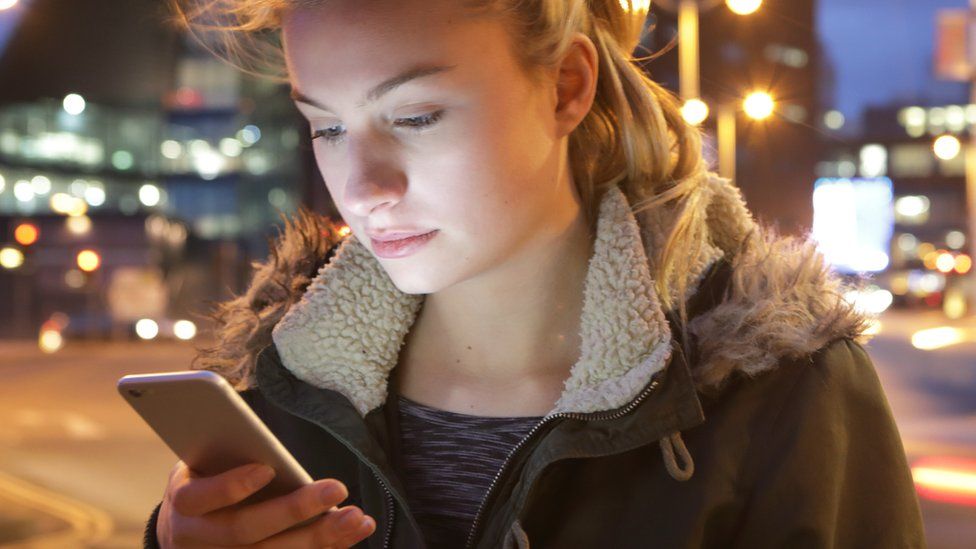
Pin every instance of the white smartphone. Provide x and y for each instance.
(209, 426)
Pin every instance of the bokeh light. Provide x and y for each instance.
(945, 262)
(149, 195)
(74, 279)
(40, 184)
(88, 260)
(11, 258)
(26, 234)
(50, 341)
(963, 264)
(95, 196)
(78, 224)
(834, 120)
(184, 329)
(947, 147)
(73, 104)
(147, 328)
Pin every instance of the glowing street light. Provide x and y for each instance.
(947, 147)
(743, 7)
(759, 105)
(639, 6)
(694, 111)
(7, 4)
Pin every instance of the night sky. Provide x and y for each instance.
(882, 52)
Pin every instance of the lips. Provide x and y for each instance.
(390, 236)
(398, 245)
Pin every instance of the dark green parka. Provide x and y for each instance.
(762, 425)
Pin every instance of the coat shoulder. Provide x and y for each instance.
(830, 450)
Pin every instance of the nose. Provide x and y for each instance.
(372, 183)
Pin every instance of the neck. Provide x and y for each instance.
(519, 321)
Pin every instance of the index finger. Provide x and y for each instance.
(194, 495)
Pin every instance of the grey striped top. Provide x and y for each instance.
(449, 461)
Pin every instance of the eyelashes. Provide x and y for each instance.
(333, 135)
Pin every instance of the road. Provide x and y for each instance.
(78, 468)
(933, 397)
(66, 432)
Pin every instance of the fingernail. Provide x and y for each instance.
(367, 523)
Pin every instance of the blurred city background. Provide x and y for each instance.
(140, 178)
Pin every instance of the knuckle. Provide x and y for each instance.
(239, 530)
(323, 534)
(180, 498)
(233, 490)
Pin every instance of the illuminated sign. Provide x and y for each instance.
(853, 221)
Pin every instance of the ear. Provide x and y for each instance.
(576, 83)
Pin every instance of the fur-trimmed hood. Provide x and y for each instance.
(340, 324)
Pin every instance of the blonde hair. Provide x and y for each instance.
(634, 134)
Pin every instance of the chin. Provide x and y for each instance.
(415, 281)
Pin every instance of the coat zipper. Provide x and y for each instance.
(390, 510)
(570, 415)
(390, 506)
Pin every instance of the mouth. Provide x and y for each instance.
(394, 245)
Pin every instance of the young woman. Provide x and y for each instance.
(550, 325)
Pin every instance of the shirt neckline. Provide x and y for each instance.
(448, 413)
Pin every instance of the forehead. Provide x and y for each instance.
(352, 42)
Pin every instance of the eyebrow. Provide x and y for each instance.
(382, 88)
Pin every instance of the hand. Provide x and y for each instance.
(202, 512)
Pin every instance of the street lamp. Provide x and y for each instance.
(688, 54)
(743, 7)
(758, 105)
(694, 111)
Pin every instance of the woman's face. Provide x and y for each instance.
(463, 148)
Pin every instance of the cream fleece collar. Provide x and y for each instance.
(346, 332)
(782, 302)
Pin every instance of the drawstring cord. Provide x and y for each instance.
(668, 446)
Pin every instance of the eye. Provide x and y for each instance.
(333, 134)
(329, 134)
(421, 121)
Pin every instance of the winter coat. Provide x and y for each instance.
(766, 426)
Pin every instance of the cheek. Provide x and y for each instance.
(330, 167)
